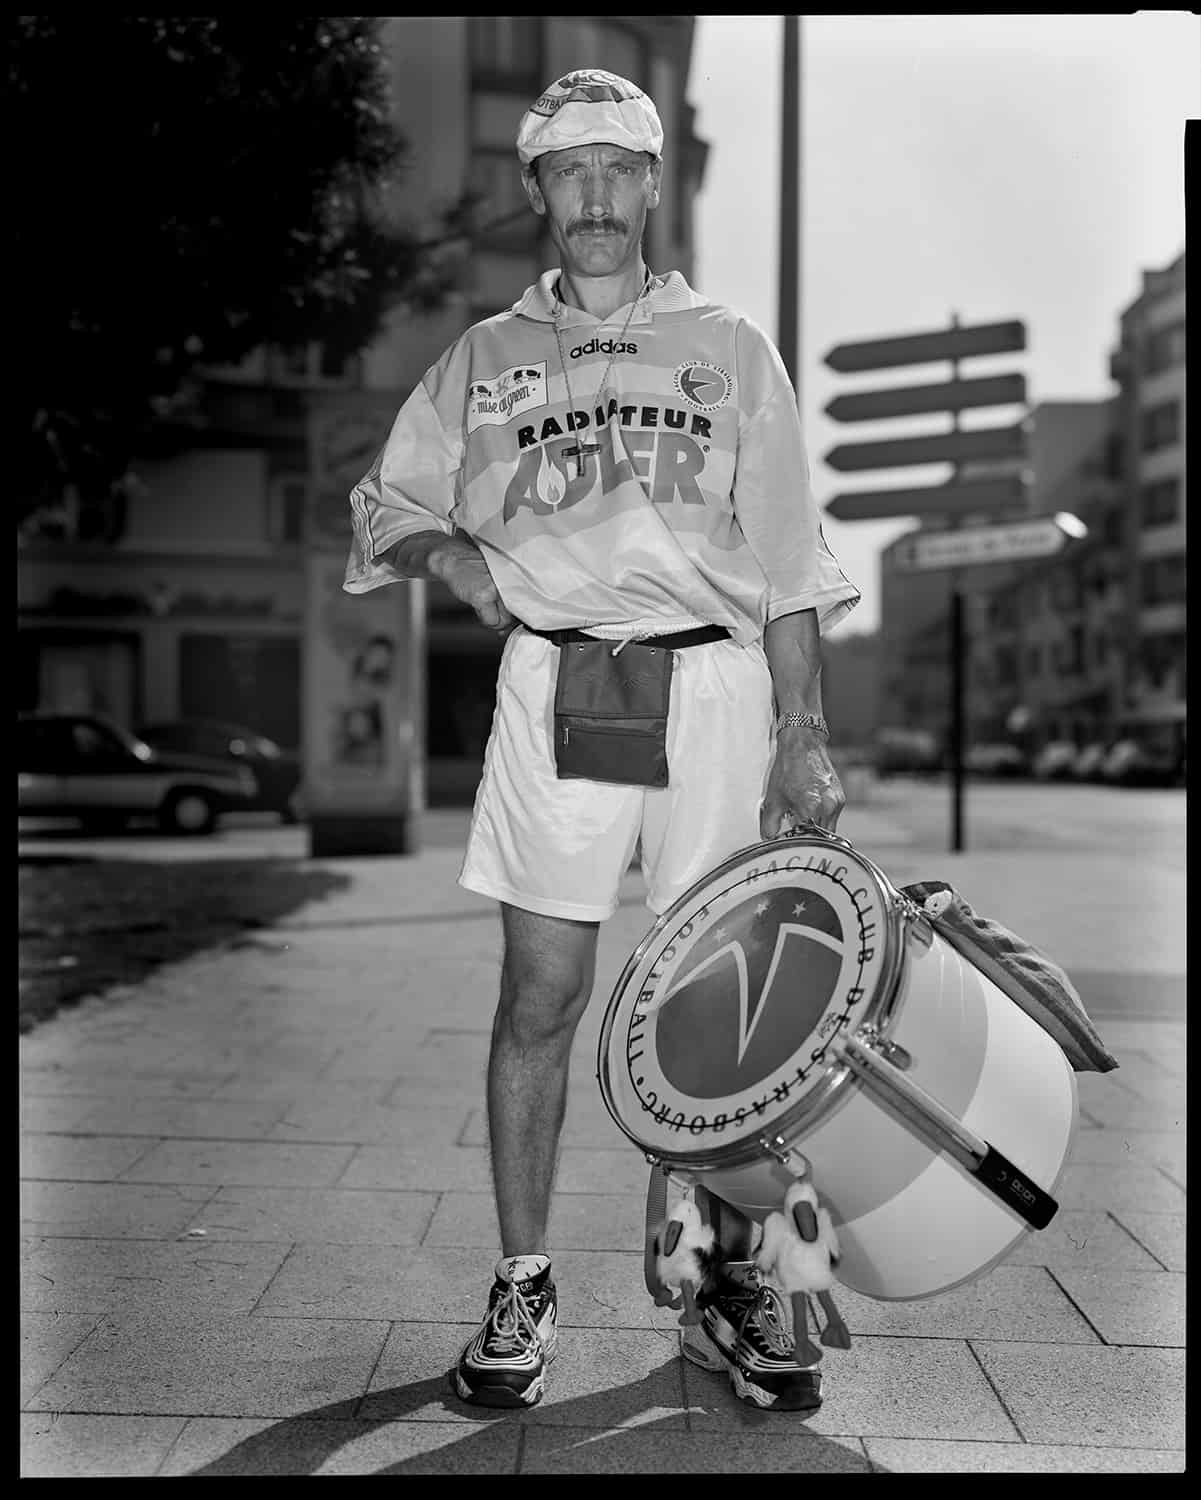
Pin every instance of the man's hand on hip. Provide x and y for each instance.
(461, 567)
(803, 785)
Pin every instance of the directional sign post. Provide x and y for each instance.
(987, 544)
(958, 499)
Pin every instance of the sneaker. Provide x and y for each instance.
(504, 1361)
(745, 1330)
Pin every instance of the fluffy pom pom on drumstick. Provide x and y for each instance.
(799, 1252)
(685, 1255)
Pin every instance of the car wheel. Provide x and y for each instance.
(189, 811)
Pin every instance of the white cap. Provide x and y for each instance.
(586, 106)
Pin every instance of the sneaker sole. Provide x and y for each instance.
(505, 1395)
(712, 1360)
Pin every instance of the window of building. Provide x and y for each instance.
(1070, 652)
(1161, 656)
(310, 365)
(286, 500)
(506, 52)
(1163, 580)
(1164, 348)
(504, 220)
(1161, 426)
(1161, 502)
(1034, 660)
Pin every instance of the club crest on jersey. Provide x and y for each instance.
(500, 398)
(704, 385)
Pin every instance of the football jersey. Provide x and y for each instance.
(645, 472)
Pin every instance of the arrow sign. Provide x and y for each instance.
(985, 496)
(923, 348)
(954, 395)
(1016, 542)
(941, 447)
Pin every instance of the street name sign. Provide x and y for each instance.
(984, 496)
(925, 348)
(914, 400)
(937, 448)
(1017, 542)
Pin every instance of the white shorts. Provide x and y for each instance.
(561, 848)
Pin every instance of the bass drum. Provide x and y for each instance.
(793, 1012)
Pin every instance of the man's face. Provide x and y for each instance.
(595, 199)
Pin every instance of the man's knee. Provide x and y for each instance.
(548, 971)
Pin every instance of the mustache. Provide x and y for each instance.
(594, 226)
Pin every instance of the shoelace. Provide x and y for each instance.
(513, 1326)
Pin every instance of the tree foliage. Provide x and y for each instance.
(184, 190)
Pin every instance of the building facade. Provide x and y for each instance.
(191, 602)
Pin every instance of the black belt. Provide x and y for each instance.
(701, 636)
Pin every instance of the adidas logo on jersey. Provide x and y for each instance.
(603, 346)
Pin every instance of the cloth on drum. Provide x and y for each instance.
(1030, 979)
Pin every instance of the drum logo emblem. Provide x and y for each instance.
(755, 987)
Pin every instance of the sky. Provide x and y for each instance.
(997, 167)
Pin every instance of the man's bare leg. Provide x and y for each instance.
(546, 980)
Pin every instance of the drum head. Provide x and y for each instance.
(720, 1027)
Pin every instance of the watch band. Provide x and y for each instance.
(806, 721)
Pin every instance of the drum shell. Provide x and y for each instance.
(911, 1221)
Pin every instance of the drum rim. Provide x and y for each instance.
(879, 1013)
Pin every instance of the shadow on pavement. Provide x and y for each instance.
(302, 1444)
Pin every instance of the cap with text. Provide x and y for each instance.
(587, 106)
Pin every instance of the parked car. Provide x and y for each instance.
(997, 760)
(277, 772)
(906, 750)
(1087, 765)
(1130, 762)
(87, 767)
(1055, 760)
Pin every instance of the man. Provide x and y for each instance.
(614, 458)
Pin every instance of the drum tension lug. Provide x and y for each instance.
(891, 1052)
(785, 1154)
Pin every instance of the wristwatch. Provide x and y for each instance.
(806, 721)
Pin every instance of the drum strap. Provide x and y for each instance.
(656, 1212)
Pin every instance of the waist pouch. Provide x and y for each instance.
(611, 713)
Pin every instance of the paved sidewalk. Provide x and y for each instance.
(257, 1220)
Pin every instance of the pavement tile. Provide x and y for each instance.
(119, 1083)
(882, 1387)
(49, 1114)
(1143, 1188)
(103, 1210)
(907, 1456)
(242, 1164)
(1163, 1235)
(1120, 1148)
(216, 1365)
(435, 1168)
(1078, 1237)
(363, 1123)
(80, 1158)
(654, 1450)
(215, 1447)
(1123, 1398)
(1137, 1307)
(410, 1382)
(607, 1378)
(269, 1084)
(318, 1216)
(1009, 1302)
(65, 1445)
(578, 1221)
(48, 1338)
(96, 1276)
(187, 1118)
